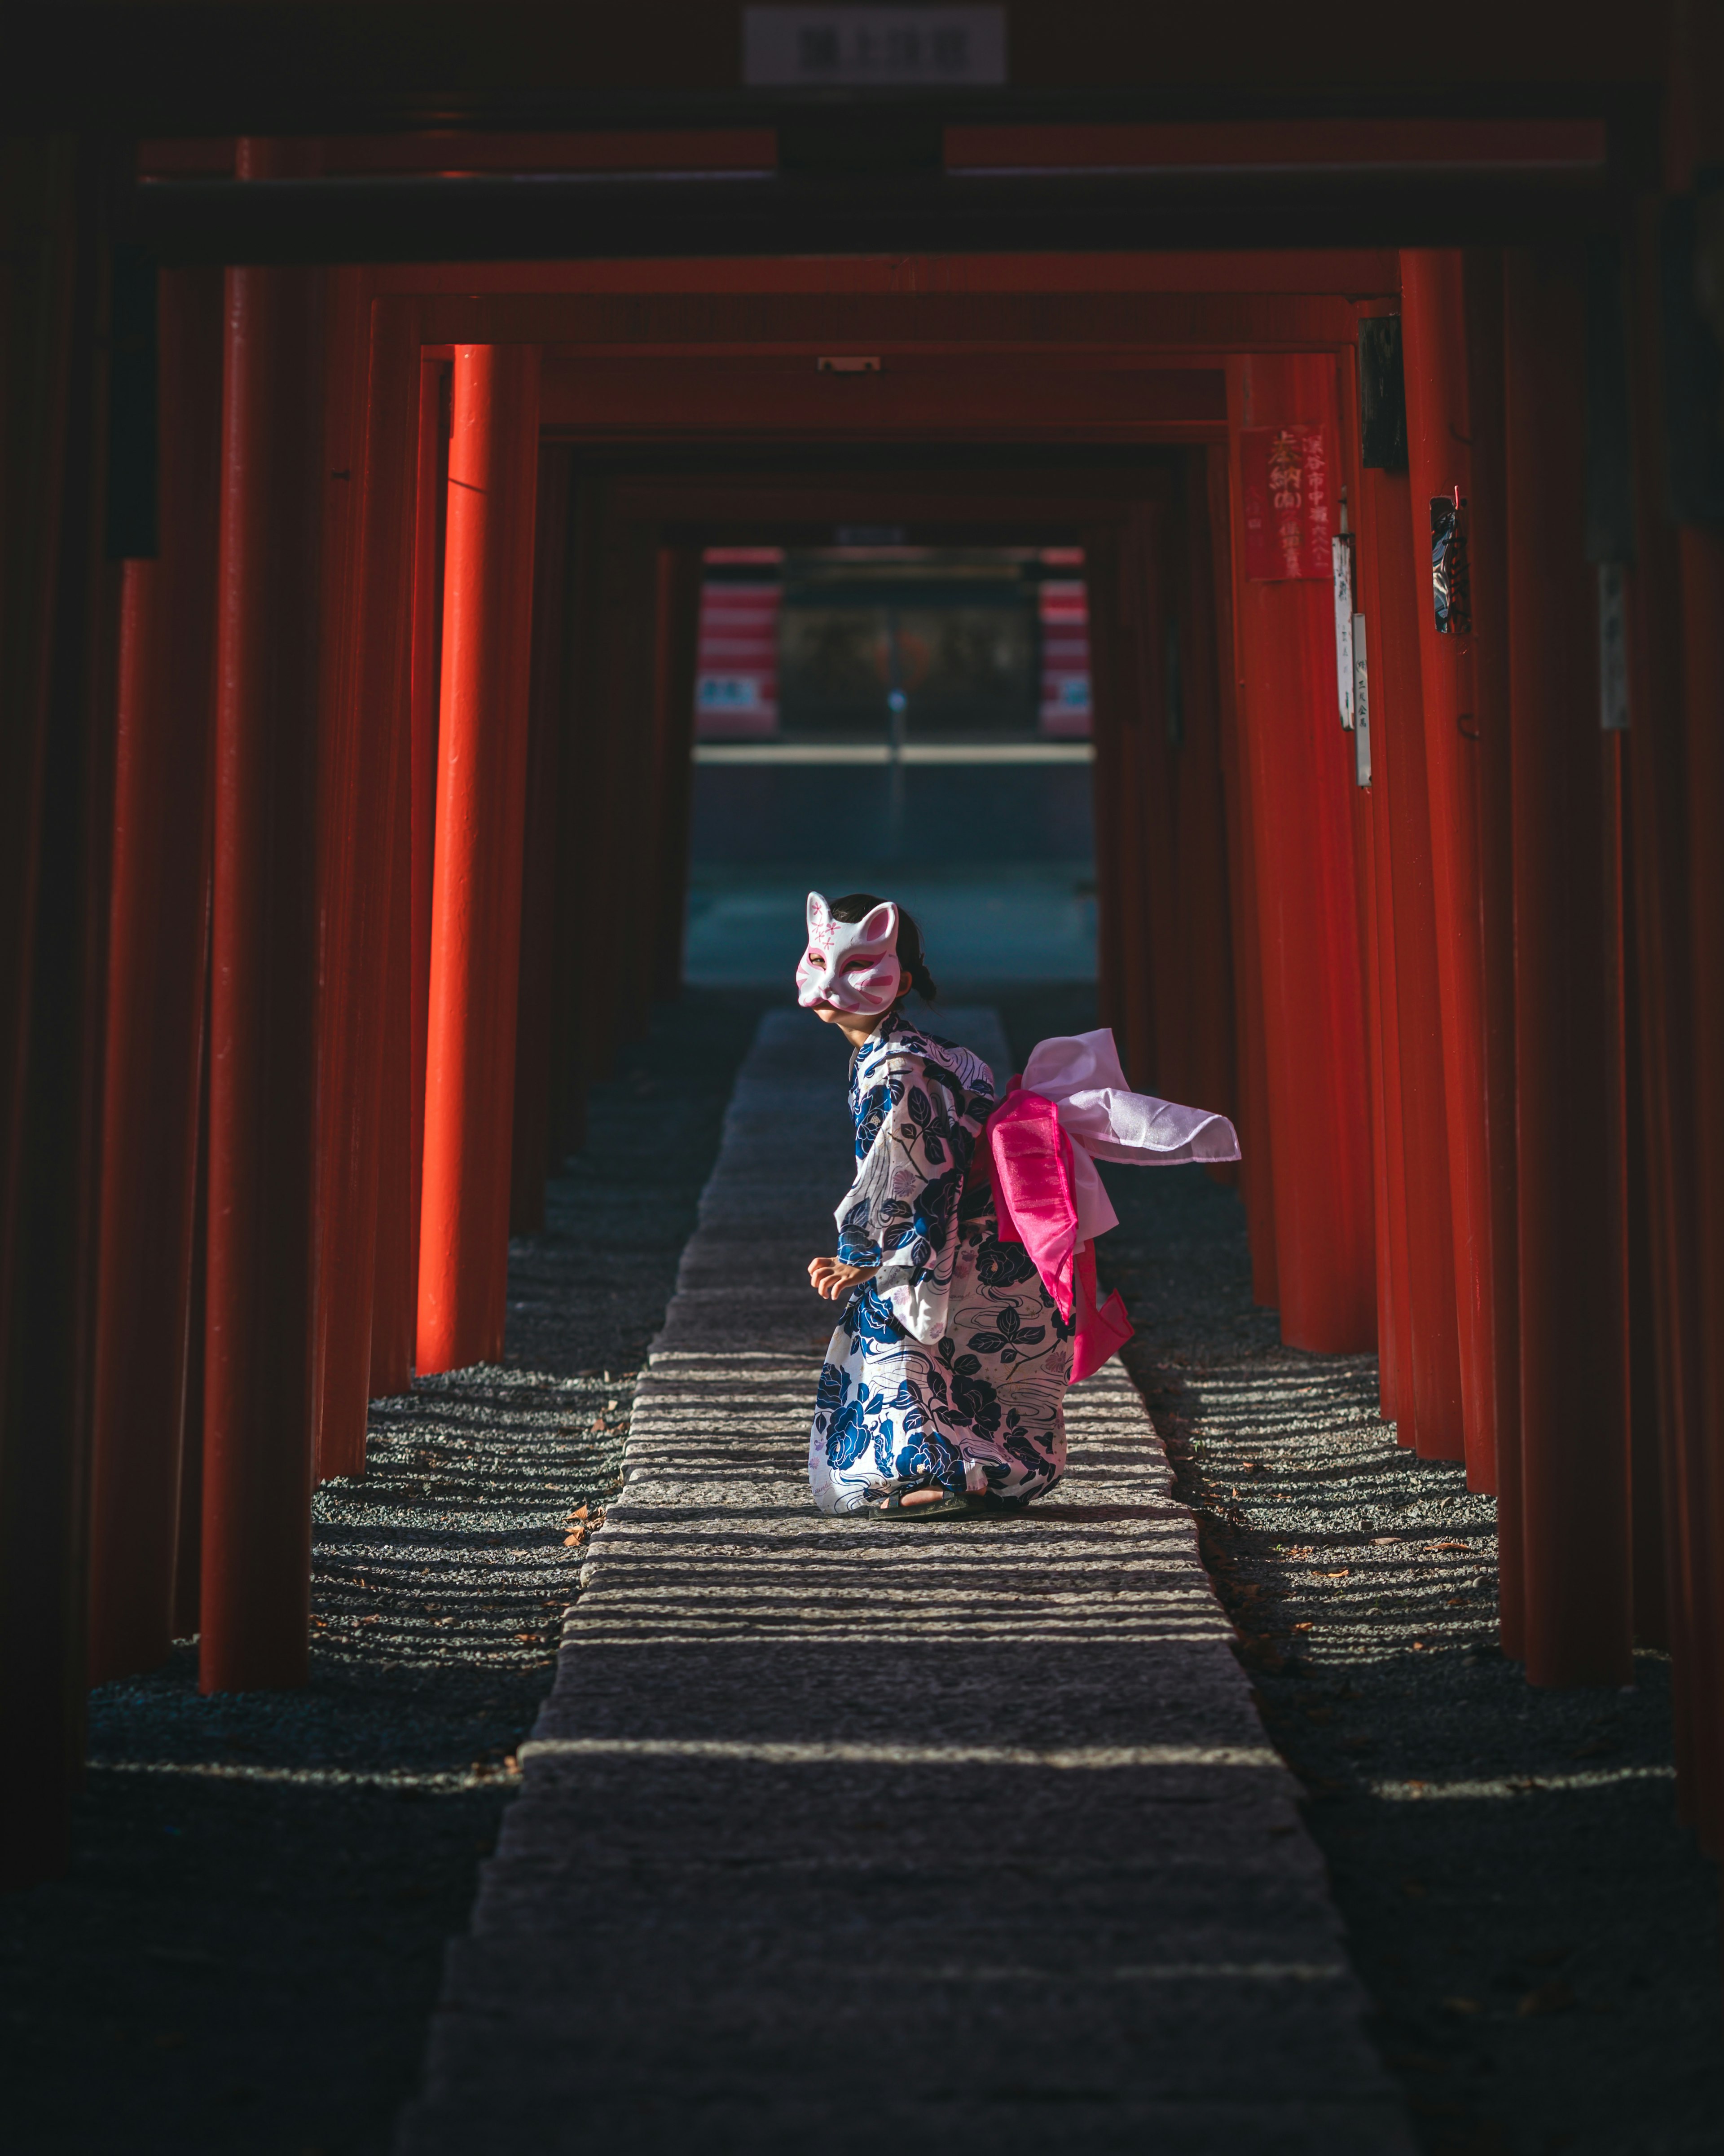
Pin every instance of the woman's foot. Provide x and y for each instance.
(925, 1504)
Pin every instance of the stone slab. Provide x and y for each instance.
(961, 1837)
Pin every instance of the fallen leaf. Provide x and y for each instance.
(579, 1513)
(1385, 1541)
(1555, 1997)
(1304, 1625)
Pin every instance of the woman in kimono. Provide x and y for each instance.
(944, 1387)
(965, 1245)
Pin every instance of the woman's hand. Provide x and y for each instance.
(833, 1278)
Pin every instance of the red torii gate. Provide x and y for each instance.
(1509, 1055)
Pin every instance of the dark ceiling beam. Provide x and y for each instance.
(579, 216)
(320, 67)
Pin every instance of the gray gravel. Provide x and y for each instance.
(244, 1955)
(1540, 1936)
(245, 1951)
(962, 1838)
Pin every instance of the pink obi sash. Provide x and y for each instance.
(1036, 1205)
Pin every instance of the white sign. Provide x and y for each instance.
(1341, 551)
(1361, 706)
(880, 48)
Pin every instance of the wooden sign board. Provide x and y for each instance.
(873, 47)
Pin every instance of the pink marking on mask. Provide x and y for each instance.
(852, 965)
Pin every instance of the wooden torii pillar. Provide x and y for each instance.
(481, 800)
(157, 953)
(259, 1370)
(1314, 1027)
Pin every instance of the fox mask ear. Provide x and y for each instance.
(819, 913)
(878, 929)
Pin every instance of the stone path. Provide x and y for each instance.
(835, 1837)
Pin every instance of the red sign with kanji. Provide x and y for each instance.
(1284, 474)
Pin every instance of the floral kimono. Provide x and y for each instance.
(950, 1365)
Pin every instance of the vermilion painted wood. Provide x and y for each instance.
(57, 654)
(1365, 885)
(1573, 1391)
(531, 1158)
(1375, 899)
(431, 500)
(1394, 1263)
(1439, 432)
(1652, 1521)
(1395, 582)
(476, 889)
(1702, 575)
(1300, 832)
(956, 298)
(1657, 791)
(259, 1379)
(1256, 1166)
(379, 688)
(677, 668)
(345, 795)
(188, 1557)
(522, 541)
(1293, 141)
(951, 396)
(1206, 917)
(157, 954)
(1695, 142)
(1482, 277)
(393, 1312)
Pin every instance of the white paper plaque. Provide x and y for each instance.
(1361, 705)
(1341, 549)
(872, 48)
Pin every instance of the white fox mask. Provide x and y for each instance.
(852, 965)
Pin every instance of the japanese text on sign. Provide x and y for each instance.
(902, 46)
(1288, 515)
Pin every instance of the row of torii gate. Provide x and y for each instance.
(349, 830)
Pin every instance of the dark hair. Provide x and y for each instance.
(858, 905)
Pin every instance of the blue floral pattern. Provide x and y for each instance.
(949, 1367)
